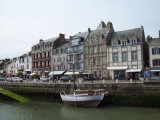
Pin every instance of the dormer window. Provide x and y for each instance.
(124, 43)
(134, 41)
(94, 39)
(115, 43)
(75, 41)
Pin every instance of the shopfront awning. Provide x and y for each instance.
(71, 73)
(85, 73)
(56, 73)
(32, 74)
(117, 68)
(134, 70)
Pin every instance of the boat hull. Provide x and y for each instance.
(82, 101)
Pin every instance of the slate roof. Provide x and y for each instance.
(100, 31)
(48, 40)
(51, 39)
(128, 33)
(101, 25)
(83, 35)
(154, 42)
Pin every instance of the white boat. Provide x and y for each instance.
(83, 98)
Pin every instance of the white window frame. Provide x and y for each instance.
(115, 57)
(134, 56)
(124, 56)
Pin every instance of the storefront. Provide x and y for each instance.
(155, 71)
(133, 74)
(56, 74)
(117, 72)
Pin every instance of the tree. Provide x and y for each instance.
(20, 74)
(36, 76)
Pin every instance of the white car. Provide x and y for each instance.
(14, 79)
(44, 79)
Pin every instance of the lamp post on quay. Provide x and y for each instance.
(91, 73)
(53, 72)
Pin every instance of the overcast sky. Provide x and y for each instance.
(24, 22)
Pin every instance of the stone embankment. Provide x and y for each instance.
(121, 93)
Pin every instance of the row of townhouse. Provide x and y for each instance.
(98, 54)
(18, 64)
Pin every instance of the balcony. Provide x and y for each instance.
(41, 58)
(69, 60)
(59, 63)
(75, 51)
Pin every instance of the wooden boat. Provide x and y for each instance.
(83, 98)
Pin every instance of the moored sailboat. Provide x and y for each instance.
(83, 98)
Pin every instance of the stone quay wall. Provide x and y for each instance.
(127, 94)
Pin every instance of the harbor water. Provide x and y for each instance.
(37, 110)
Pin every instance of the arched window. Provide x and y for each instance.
(99, 37)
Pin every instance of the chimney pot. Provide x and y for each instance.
(70, 37)
(61, 35)
(40, 40)
(89, 30)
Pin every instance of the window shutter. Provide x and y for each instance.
(152, 51)
(158, 62)
(153, 62)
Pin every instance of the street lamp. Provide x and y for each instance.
(53, 72)
(11, 72)
(91, 73)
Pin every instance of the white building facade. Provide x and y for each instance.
(75, 53)
(27, 64)
(126, 54)
(154, 55)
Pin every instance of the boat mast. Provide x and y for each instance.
(74, 75)
(74, 78)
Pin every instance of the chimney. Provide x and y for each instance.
(61, 36)
(70, 37)
(40, 41)
(148, 38)
(109, 25)
(89, 30)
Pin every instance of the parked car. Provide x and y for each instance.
(155, 78)
(66, 78)
(2, 79)
(9, 79)
(14, 79)
(44, 79)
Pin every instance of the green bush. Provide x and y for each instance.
(36, 76)
(20, 74)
